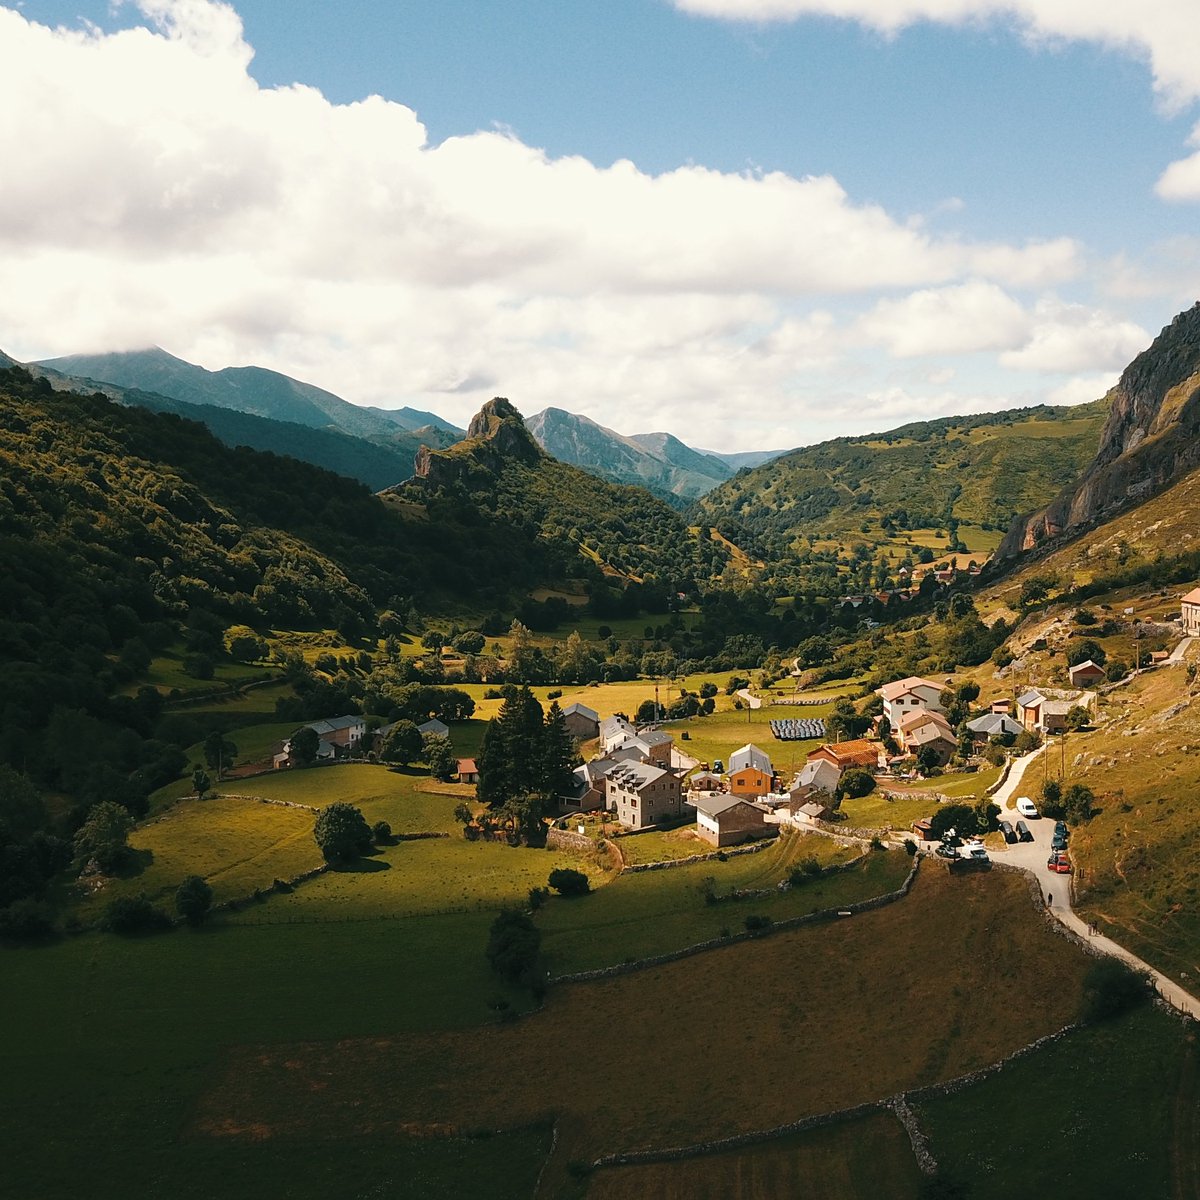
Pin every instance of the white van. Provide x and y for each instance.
(1026, 807)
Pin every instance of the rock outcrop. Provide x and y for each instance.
(1150, 440)
(496, 436)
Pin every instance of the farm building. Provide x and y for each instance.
(583, 723)
(726, 820)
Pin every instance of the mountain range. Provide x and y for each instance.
(155, 379)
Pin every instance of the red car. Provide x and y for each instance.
(1059, 863)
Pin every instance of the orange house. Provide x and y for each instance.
(843, 755)
(750, 782)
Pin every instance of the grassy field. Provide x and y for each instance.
(652, 912)
(662, 847)
(876, 811)
(859, 1160)
(1107, 1111)
(109, 1043)
(166, 673)
(237, 845)
(685, 1038)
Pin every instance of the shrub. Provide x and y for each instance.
(856, 782)
(910, 847)
(193, 899)
(1026, 741)
(808, 868)
(514, 946)
(569, 882)
(26, 920)
(757, 923)
(381, 832)
(537, 897)
(134, 915)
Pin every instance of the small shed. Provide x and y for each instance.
(468, 771)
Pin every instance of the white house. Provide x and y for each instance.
(906, 696)
(819, 774)
(750, 755)
(615, 732)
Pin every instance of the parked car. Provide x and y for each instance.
(1026, 807)
(1023, 832)
(946, 851)
(1061, 827)
(1010, 834)
(1059, 864)
(718, 766)
(974, 852)
(1058, 842)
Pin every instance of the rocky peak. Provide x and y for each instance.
(1150, 440)
(496, 436)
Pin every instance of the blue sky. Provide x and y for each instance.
(823, 220)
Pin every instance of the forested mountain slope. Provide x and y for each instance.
(500, 470)
(930, 477)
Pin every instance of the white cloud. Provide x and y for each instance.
(1069, 338)
(966, 318)
(1165, 33)
(1082, 389)
(163, 197)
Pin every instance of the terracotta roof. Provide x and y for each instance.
(901, 687)
(1193, 597)
(858, 752)
(466, 766)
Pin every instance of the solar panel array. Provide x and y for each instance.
(798, 729)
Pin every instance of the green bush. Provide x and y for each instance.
(133, 915)
(569, 882)
(193, 899)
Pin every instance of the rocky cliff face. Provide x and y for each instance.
(1151, 439)
(496, 436)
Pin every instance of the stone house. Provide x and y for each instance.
(582, 723)
(727, 820)
(642, 794)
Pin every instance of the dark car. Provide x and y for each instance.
(1061, 827)
(1023, 832)
(1058, 842)
(946, 851)
(1008, 831)
(718, 766)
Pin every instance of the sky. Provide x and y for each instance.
(751, 223)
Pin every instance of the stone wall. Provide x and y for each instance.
(667, 863)
(565, 839)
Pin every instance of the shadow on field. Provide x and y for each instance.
(361, 866)
(134, 862)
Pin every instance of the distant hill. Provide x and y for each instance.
(935, 486)
(656, 461)
(414, 419)
(1150, 440)
(745, 458)
(378, 461)
(244, 389)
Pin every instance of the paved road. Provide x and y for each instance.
(1180, 650)
(751, 701)
(1032, 857)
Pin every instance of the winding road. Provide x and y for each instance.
(1032, 857)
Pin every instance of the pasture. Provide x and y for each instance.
(651, 912)
(1066, 1117)
(238, 845)
(689, 1039)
